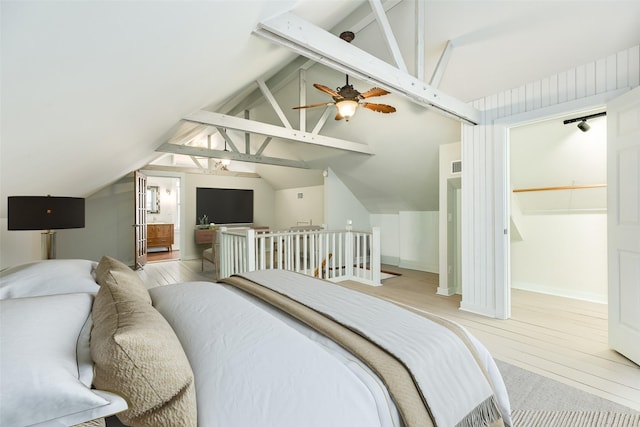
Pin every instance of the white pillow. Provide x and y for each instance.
(48, 277)
(42, 381)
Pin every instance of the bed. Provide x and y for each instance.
(268, 348)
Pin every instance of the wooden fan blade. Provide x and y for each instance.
(380, 108)
(326, 90)
(374, 91)
(324, 104)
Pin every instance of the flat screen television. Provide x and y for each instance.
(224, 205)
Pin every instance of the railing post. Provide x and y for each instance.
(250, 247)
(375, 255)
(223, 255)
(348, 253)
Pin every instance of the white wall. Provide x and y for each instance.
(108, 220)
(419, 241)
(563, 254)
(409, 239)
(389, 225)
(17, 247)
(108, 226)
(108, 230)
(340, 206)
(299, 205)
(559, 238)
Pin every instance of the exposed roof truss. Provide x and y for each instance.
(321, 46)
(315, 43)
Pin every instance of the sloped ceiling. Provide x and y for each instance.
(91, 89)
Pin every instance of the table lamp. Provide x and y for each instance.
(45, 213)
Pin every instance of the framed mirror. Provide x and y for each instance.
(153, 199)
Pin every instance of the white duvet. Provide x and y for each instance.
(256, 366)
(253, 369)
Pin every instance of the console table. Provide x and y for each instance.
(204, 236)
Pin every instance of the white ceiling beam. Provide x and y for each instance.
(221, 154)
(442, 64)
(387, 33)
(323, 119)
(246, 100)
(419, 40)
(264, 145)
(237, 123)
(184, 169)
(228, 139)
(197, 163)
(302, 87)
(247, 135)
(187, 132)
(313, 42)
(274, 104)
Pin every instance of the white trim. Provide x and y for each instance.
(550, 290)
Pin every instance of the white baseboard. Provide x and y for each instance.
(445, 291)
(414, 265)
(477, 310)
(389, 260)
(560, 292)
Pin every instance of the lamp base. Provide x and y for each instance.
(48, 240)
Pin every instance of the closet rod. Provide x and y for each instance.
(561, 187)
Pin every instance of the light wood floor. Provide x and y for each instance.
(560, 338)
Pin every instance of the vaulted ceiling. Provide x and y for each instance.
(90, 90)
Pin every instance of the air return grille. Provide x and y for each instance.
(456, 166)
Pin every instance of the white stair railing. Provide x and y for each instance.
(334, 255)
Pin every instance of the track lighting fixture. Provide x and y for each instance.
(583, 126)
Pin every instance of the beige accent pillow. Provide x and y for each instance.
(137, 354)
(110, 270)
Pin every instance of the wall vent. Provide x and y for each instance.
(456, 166)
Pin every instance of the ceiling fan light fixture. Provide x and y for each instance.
(347, 108)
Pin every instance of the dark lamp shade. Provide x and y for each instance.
(45, 212)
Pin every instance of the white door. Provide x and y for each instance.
(623, 176)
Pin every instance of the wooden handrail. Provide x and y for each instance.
(560, 187)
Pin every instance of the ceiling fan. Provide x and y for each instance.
(347, 99)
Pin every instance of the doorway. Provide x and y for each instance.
(454, 234)
(558, 207)
(164, 218)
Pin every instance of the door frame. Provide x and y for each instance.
(501, 133)
(181, 177)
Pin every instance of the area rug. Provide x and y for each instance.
(529, 391)
(538, 401)
(573, 419)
